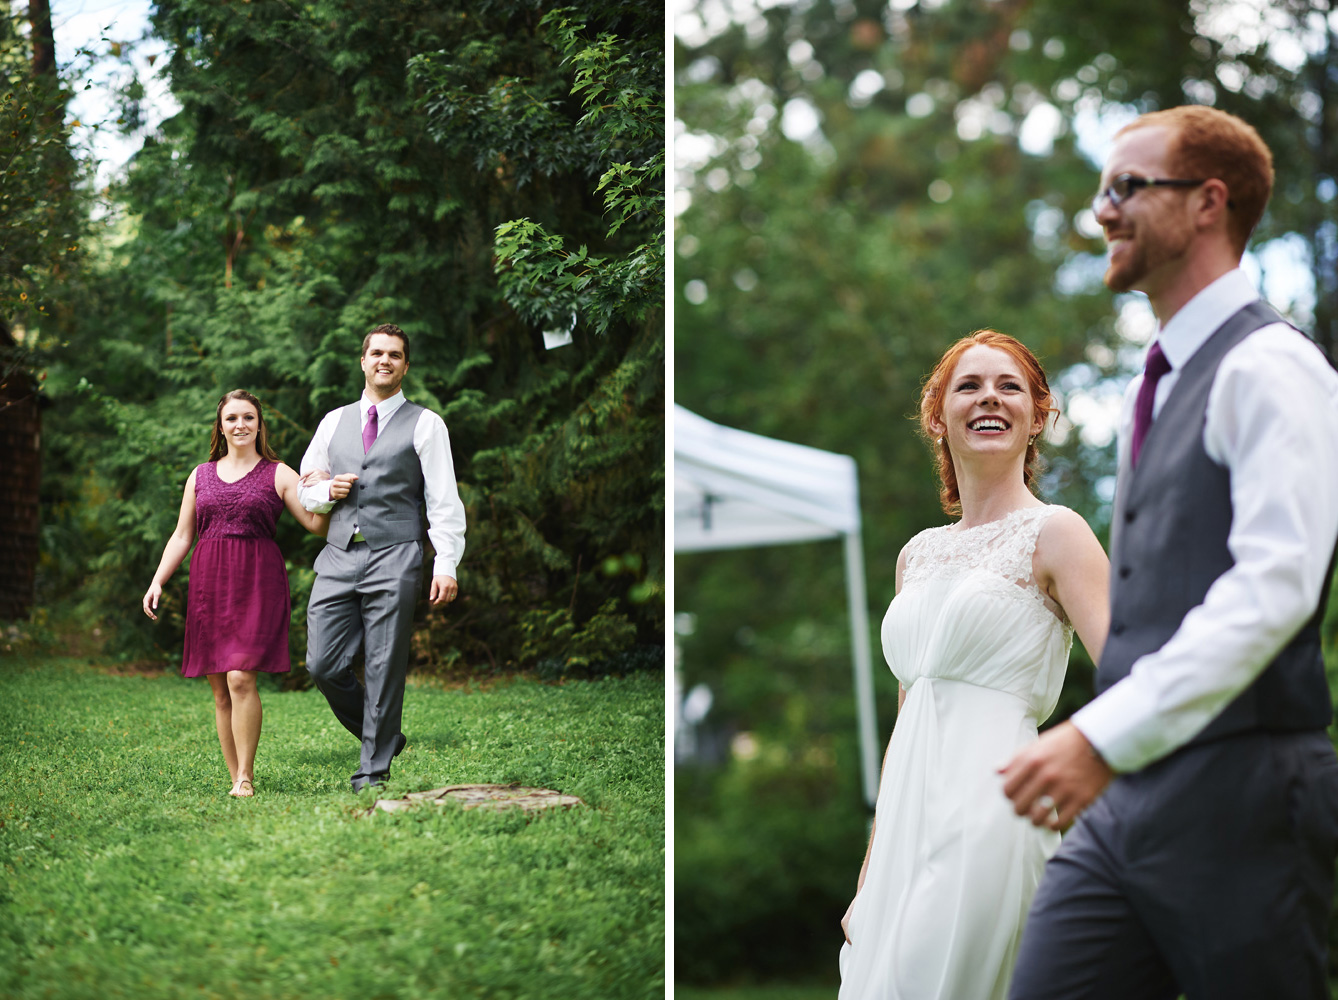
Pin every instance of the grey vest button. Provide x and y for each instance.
(1117, 628)
(1124, 572)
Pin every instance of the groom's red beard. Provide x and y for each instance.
(1138, 259)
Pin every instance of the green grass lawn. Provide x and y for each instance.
(126, 870)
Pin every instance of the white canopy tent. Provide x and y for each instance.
(733, 490)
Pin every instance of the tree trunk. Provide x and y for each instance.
(21, 458)
(44, 42)
(20, 416)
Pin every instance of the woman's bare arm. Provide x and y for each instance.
(285, 484)
(1072, 568)
(176, 550)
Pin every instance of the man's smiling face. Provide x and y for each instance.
(384, 365)
(1150, 233)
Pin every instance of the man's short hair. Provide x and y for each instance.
(390, 330)
(1209, 143)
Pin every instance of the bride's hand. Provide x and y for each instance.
(845, 922)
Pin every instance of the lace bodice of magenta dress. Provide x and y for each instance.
(237, 601)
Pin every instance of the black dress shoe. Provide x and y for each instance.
(371, 781)
(400, 741)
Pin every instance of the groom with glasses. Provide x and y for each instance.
(1125, 186)
(1203, 859)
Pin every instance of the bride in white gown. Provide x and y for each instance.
(978, 637)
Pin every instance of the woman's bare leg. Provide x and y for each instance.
(223, 722)
(246, 716)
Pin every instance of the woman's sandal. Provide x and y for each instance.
(243, 789)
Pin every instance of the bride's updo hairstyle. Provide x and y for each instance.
(931, 407)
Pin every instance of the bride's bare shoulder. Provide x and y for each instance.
(1064, 522)
(1065, 537)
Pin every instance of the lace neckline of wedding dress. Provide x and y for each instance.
(956, 529)
(1006, 551)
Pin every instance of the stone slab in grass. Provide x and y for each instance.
(482, 797)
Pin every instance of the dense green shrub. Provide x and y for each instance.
(765, 863)
(318, 181)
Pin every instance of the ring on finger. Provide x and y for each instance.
(1046, 803)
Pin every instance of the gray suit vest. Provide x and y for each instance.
(386, 503)
(1168, 544)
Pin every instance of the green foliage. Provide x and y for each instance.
(41, 210)
(129, 872)
(552, 638)
(30, 637)
(762, 877)
(519, 126)
(766, 823)
(317, 182)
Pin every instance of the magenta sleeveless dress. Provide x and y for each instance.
(237, 602)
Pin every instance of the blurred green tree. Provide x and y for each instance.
(42, 221)
(42, 211)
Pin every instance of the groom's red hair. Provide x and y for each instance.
(931, 407)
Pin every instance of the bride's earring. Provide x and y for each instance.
(1031, 440)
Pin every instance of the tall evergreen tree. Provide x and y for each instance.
(311, 187)
(40, 229)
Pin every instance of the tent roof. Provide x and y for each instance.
(733, 489)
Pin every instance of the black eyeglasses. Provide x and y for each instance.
(1125, 186)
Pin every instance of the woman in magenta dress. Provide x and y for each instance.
(237, 602)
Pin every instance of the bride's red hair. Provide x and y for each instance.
(931, 407)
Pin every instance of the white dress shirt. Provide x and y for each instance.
(445, 512)
(1272, 421)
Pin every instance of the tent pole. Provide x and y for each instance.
(859, 636)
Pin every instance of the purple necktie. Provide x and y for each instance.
(369, 432)
(1155, 367)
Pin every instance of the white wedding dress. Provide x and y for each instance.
(953, 869)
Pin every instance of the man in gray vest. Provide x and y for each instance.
(1208, 791)
(391, 465)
